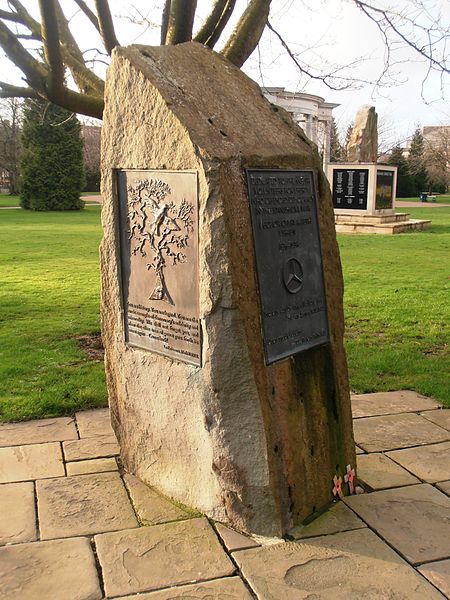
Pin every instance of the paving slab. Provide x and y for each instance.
(444, 486)
(231, 588)
(95, 465)
(378, 434)
(96, 447)
(389, 403)
(234, 540)
(352, 564)
(83, 505)
(37, 461)
(150, 507)
(430, 463)
(380, 472)
(439, 417)
(156, 557)
(415, 520)
(56, 570)
(92, 423)
(338, 518)
(17, 513)
(38, 432)
(439, 575)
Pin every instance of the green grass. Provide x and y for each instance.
(440, 199)
(7, 200)
(397, 308)
(396, 303)
(49, 294)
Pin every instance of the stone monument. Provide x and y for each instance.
(363, 190)
(221, 293)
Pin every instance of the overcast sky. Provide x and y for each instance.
(323, 33)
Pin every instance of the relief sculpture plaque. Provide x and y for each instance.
(159, 262)
(288, 260)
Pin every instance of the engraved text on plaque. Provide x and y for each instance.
(159, 261)
(289, 261)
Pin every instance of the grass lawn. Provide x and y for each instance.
(397, 308)
(49, 294)
(440, 199)
(7, 200)
(397, 311)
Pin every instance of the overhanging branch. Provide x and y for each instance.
(247, 32)
(106, 24)
(181, 21)
(215, 22)
(89, 13)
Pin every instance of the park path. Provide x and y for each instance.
(75, 526)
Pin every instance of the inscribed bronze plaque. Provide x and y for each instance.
(159, 262)
(283, 206)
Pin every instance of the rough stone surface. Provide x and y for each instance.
(17, 513)
(217, 425)
(234, 540)
(230, 588)
(338, 518)
(138, 560)
(389, 403)
(56, 570)
(92, 423)
(353, 564)
(377, 434)
(38, 432)
(430, 463)
(415, 520)
(439, 417)
(362, 146)
(439, 575)
(96, 447)
(150, 507)
(444, 486)
(38, 461)
(359, 450)
(83, 505)
(95, 465)
(379, 472)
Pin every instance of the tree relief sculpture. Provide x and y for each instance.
(158, 229)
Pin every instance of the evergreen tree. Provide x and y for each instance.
(52, 161)
(337, 152)
(405, 182)
(416, 162)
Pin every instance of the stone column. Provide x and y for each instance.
(327, 143)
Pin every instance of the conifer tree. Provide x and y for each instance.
(416, 162)
(337, 151)
(52, 161)
(405, 182)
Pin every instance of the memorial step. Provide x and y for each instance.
(359, 218)
(363, 227)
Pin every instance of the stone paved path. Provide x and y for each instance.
(73, 526)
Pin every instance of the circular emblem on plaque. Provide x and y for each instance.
(293, 275)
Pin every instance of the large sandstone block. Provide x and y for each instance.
(248, 444)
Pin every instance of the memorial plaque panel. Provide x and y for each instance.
(350, 188)
(385, 189)
(159, 261)
(288, 260)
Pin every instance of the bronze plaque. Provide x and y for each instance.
(159, 262)
(283, 206)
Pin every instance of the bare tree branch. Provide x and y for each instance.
(106, 25)
(215, 22)
(13, 91)
(181, 21)
(50, 36)
(247, 32)
(165, 21)
(89, 13)
(11, 16)
(34, 71)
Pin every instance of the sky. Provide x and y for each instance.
(325, 34)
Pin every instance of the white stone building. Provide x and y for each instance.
(312, 113)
